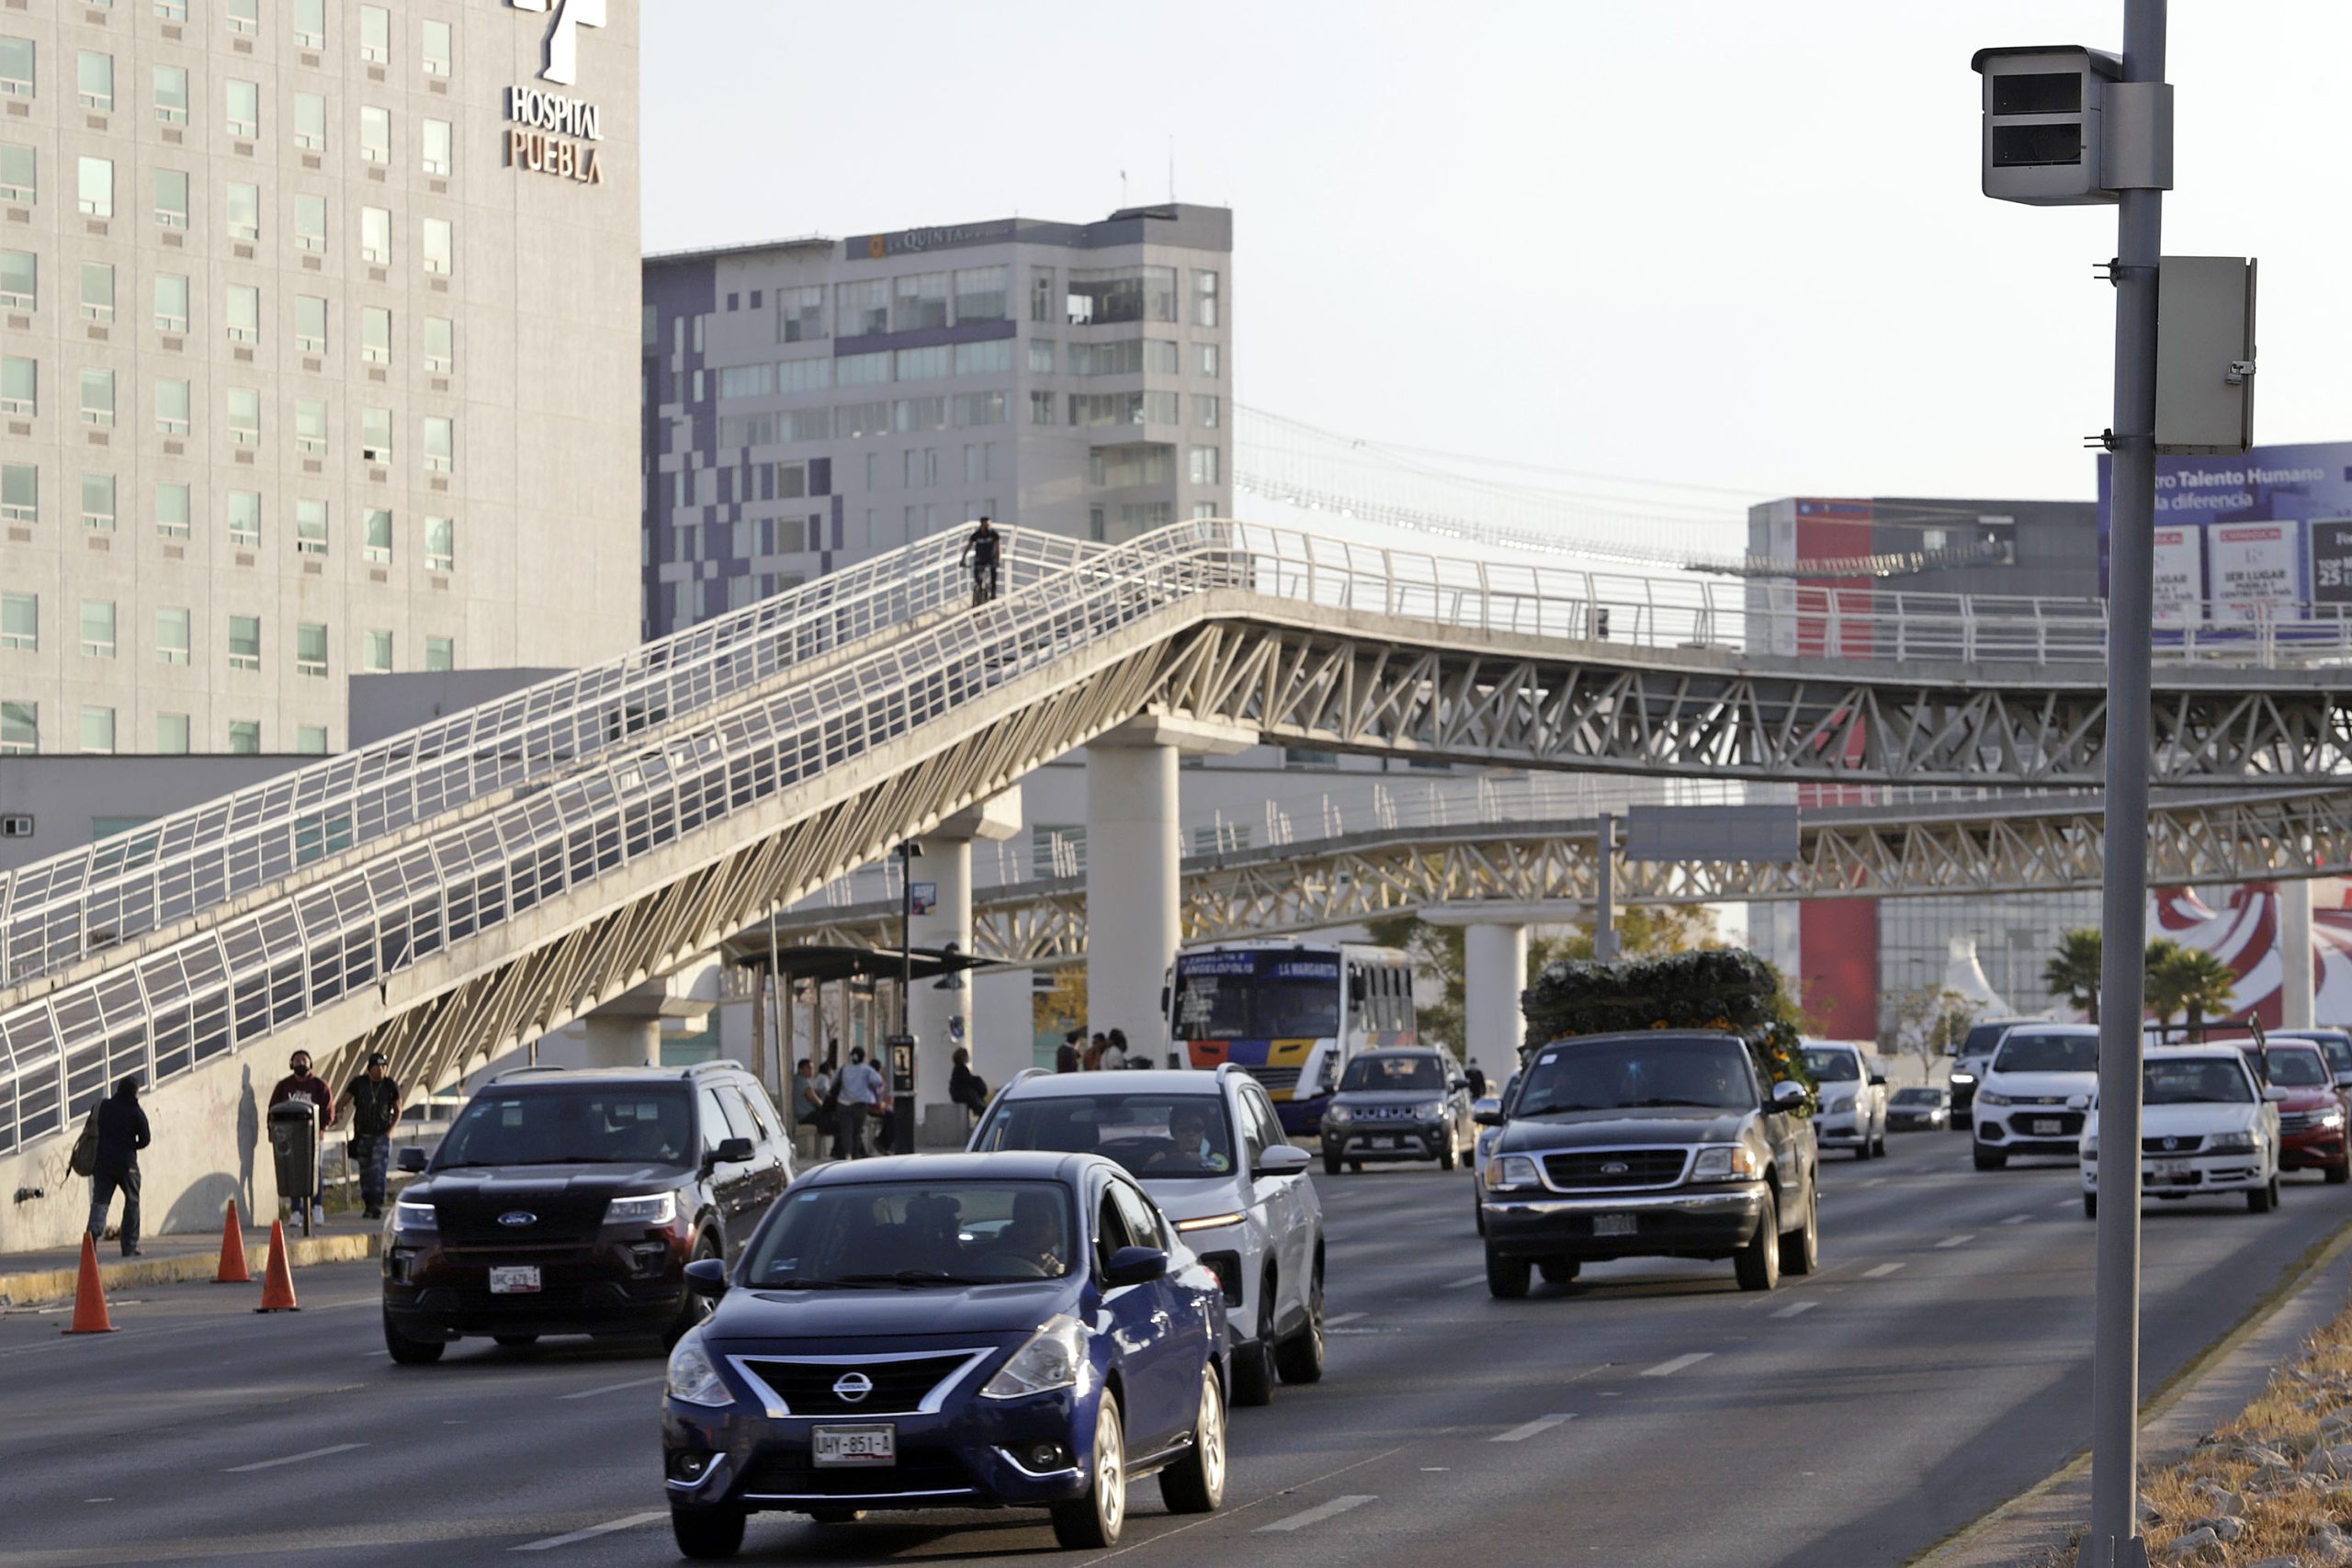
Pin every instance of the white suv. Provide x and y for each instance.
(2035, 1091)
(1853, 1099)
(2205, 1127)
(1210, 1150)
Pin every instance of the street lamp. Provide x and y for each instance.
(909, 852)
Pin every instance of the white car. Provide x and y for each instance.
(1853, 1097)
(1210, 1150)
(2206, 1127)
(1482, 1148)
(2035, 1092)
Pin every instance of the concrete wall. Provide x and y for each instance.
(66, 796)
(386, 704)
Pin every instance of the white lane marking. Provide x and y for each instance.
(1465, 1284)
(1796, 1309)
(1875, 1181)
(293, 1459)
(592, 1531)
(1317, 1513)
(2065, 1202)
(1882, 1272)
(612, 1388)
(1520, 1434)
(1668, 1368)
(2017, 1219)
(1342, 1317)
(1951, 1241)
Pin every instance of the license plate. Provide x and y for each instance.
(1384, 1143)
(514, 1280)
(855, 1444)
(2048, 1127)
(1612, 1224)
(2172, 1170)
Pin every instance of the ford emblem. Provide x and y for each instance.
(518, 1218)
(850, 1387)
(1615, 1168)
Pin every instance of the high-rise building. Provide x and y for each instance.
(315, 359)
(810, 402)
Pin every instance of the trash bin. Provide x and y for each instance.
(294, 1153)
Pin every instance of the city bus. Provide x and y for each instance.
(1289, 1013)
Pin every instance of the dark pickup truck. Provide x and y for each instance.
(1655, 1144)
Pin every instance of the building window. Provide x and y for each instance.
(96, 186)
(19, 177)
(1104, 295)
(310, 323)
(1041, 294)
(171, 93)
(440, 445)
(98, 629)
(244, 109)
(1095, 529)
(97, 731)
(171, 734)
(376, 235)
(439, 250)
(310, 24)
(978, 407)
(375, 34)
(440, 544)
(171, 10)
(19, 280)
(19, 385)
(172, 408)
(173, 511)
(800, 314)
(244, 16)
(376, 653)
(311, 650)
(19, 729)
(15, 67)
(310, 739)
(19, 493)
(97, 398)
(1208, 410)
(922, 364)
(1203, 298)
(171, 637)
(244, 642)
(20, 621)
(375, 134)
(245, 416)
(309, 223)
(1204, 466)
(862, 308)
(376, 541)
(170, 303)
(310, 527)
(244, 313)
(309, 425)
(862, 369)
(919, 300)
(244, 737)
(375, 435)
(1209, 359)
(244, 517)
(1041, 408)
(437, 52)
(95, 77)
(439, 146)
(1041, 356)
(245, 211)
(309, 122)
(171, 198)
(375, 335)
(97, 503)
(980, 294)
(440, 345)
(992, 359)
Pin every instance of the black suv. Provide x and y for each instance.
(571, 1203)
(1656, 1144)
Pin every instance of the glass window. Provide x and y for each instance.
(993, 358)
(1124, 357)
(440, 544)
(310, 122)
(171, 637)
(96, 186)
(1159, 357)
(172, 511)
(376, 652)
(95, 77)
(15, 67)
(172, 407)
(97, 731)
(171, 734)
(440, 445)
(1017, 1230)
(310, 739)
(862, 369)
(1104, 295)
(437, 52)
(375, 134)
(98, 629)
(244, 642)
(375, 34)
(19, 729)
(171, 93)
(171, 10)
(862, 308)
(244, 313)
(310, 323)
(922, 364)
(98, 291)
(1209, 359)
(310, 648)
(919, 300)
(244, 517)
(440, 345)
(244, 109)
(375, 335)
(1041, 294)
(1042, 408)
(19, 385)
(310, 222)
(97, 398)
(1041, 356)
(244, 16)
(97, 503)
(978, 408)
(309, 425)
(311, 23)
(19, 180)
(171, 198)
(1208, 410)
(244, 737)
(376, 235)
(19, 493)
(1203, 298)
(800, 314)
(376, 541)
(20, 279)
(245, 211)
(438, 247)
(245, 416)
(170, 302)
(20, 621)
(439, 146)
(980, 294)
(376, 435)
(440, 653)
(1156, 1134)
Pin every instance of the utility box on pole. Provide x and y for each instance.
(2062, 129)
(2205, 354)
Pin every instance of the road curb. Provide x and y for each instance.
(1954, 1551)
(38, 1287)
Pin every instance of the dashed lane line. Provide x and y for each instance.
(1796, 1309)
(1668, 1368)
(1882, 1272)
(2017, 1219)
(1541, 1424)
(293, 1459)
(1317, 1513)
(1465, 1283)
(592, 1531)
(612, 1388)
(1951, 1241)
(1334, 1322)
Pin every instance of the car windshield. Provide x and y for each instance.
(1982, 1039)
(1393, 1070)
(2024, 1052)
(1258, 993)
(570, 1124)
(2200, 1080)
(1917, 1096)
(2297, 1066)
(914, 1235)
(1832, 1066)
(1619, 1074)
(2334, 1046)
(1156, 1136)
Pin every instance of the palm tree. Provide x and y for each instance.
(2072, 972)
(2160, 992)
(2196, 982)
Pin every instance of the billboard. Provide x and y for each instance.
(2248, 537)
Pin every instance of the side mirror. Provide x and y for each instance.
(1137, 1265)
(2274, 1094)
(731, 1151)
(412, 1160)
(1457, 1083)
(1788, 1095)
(1489, 1115)
(707, 1277)
(1283, 1159)
(1878, 1080)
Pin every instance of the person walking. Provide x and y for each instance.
(981, 550)
(966, 1087)
(122, 1133)
(375, 1102)
(855, 1095)
(807, 1108)
(300, 1083)
(1066, 1054)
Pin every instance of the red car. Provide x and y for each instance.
(2311, 1119)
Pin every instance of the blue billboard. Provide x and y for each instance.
(2263, 536)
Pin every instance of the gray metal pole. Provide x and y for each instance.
(2115, 1355)
(1604, 928)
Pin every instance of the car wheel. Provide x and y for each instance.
(1196, 1484)
(1253, 1364)
(2265, 1198)
(410, 1352)
(695, 1307)
(2337, 1174)
(1559, 1270)
(2090, 1205)
(1988, 1161)
(1759, 1263)
(515, 1341)
(707, 1532)
(1331, 1164)
(1299, 1359)
(1801, 1251)
(1479, 1209)
(1094, 1520)
(1446, 1157)
(1506, 1278)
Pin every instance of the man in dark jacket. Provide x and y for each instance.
(301, 1083)
(1066, 1056)
(375, 1101)
(122, 1133)
(966, 1087)
(981, 550)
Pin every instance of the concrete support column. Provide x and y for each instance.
(618, 1039)
(940, 1019)
(1494, 971)
(2297, 1004)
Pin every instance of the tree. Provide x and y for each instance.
(2193, 981)
(1062, 1008)
(2072, 972)
(1931, 1022)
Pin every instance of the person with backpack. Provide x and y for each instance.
(375, 1101)
(115, 1134)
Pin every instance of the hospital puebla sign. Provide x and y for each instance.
(550, 132)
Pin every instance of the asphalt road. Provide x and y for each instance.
(1650, 1413)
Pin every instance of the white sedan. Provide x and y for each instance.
(2206, 1128)
(1853, 1097)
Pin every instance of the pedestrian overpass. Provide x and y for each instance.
(466, 887)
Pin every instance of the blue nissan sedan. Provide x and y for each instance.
(949, 1331)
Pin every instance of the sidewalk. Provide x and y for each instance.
(30, 1278)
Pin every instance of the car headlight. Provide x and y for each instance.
(1958, 1076)
(413, 1216)
(653, 1209)
(1211, 1222)
(1512, 1170)
(2230, 1144)
(1339, 1113)
(692, 1379)
(1054, 1358)
(1726, 1162)
(1843, 1102)
(2330, 1119)
(2090, 1148)
(1989, 1096)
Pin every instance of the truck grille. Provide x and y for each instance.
(2183, 1144)
(469, 1219)
(1616, 1167)
(2297, 1121)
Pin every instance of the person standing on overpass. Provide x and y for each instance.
(981, 550)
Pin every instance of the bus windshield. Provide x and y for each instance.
(1257, 995)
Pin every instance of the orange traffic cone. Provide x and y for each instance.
(232, 1270)
(277, 1280)
(90, 1295)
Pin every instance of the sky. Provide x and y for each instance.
(1710, 243)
